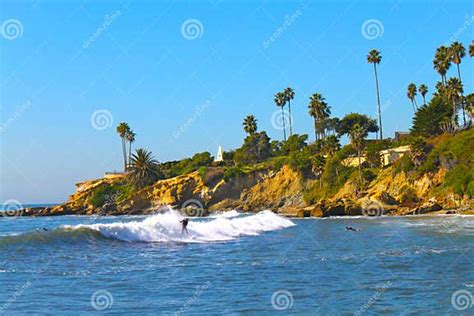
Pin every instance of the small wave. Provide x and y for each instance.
(54, 236)
(166, 228)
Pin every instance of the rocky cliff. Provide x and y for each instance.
(391, 192)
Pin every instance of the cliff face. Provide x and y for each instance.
(391, 192)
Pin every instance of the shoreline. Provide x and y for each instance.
(46, 212)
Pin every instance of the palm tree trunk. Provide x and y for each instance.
(424, 101)
(455, 123)
(413, 105)
(378, 101)
(289, 112)
(459, 73)
(124, 152)
(316, 130)
(416, 105)
(129, 152)
(360, 171)
(284, 127)
(462, 103)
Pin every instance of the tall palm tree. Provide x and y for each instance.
(130, 138)
(250, 124)
(357, 135)
(122, 130)
(280, 100)
(423, 89)
(457, 54)
(144, 168)
(442, 62)
(319, 110)
(471, 49)
(411, 94)
(454, 91)
(375, 58)
(290, 95)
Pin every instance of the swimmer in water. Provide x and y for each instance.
(348, 228)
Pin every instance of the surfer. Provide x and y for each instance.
(184, 224)
(348, 228)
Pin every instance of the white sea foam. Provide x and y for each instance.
(226, 214)
(167, 228)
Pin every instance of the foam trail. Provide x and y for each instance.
(166, 228)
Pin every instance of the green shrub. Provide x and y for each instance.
(403, 164)
(454, 150)
(202, 172)
(103, 195)
(294, 143)
(461, 180)
(233, 172)
(300, 161)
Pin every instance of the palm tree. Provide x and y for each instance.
(411, 94)
(357, 135)
(331, 145)
(375, 58)
(442, 62)
(280, 100)
(122, 130)
(290, 95)
(250, 124)
(317, 167)
(457, 54)
(130, 138)
(319, 110)
(423, 89)
(144, 169)
(471, 49)
(454, 91)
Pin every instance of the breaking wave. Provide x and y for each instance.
(167, 228)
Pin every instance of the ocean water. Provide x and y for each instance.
(231, 263)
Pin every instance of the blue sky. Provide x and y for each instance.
(181, 95)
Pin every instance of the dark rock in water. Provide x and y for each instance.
(427, 208)
(451, 212)
(341, 207)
